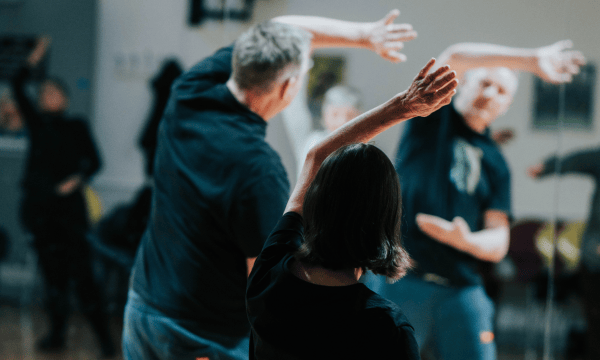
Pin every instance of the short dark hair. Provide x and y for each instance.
(267, 51)
(352, 214)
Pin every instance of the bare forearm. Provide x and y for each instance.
(427, 93)
(489, 244)
(465, 56)
(330, 32)
(361, 129)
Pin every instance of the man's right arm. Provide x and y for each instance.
(553, 63)
(382, 37)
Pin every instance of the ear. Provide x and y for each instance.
(287, 86)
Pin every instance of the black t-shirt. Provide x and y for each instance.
(295, 319)
(219, 191)
(448, 170)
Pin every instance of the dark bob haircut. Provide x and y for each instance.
(352, 214)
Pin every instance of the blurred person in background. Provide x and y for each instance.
(219, 188)
(583, 162)
(62, 157)
(340, 104)
(457, 215)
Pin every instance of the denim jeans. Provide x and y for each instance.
(148, 334)
(457, 323)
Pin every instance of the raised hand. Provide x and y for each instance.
(38, 51)
(427, 93)
(69, 185)
(453, 233)
(557, 65)
(387, 38)
(535, 171)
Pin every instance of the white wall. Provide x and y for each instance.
(153, 28)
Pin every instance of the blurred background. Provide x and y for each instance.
(112, 54)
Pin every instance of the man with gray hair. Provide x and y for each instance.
(456, 196)
(220, 188)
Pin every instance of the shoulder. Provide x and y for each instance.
(213, 69)
(385, 311)
(389, 328)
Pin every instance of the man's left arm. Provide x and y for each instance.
(553, 63)
(489, 244)
(383, 36)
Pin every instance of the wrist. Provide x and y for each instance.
(365, 36)
(531, 61)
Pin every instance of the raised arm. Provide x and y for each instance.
(26, 107)
(382, 36)
(426, 94)
(552, 63)
(585, 162)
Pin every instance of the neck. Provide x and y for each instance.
(319, 275)
(473, 121)
(264, 105)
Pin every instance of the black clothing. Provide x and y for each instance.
(294, 319)
(161, 85)
(584, 162)
(60, 147)
(219, 190)
(448, 170)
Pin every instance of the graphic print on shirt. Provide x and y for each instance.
(466, 166)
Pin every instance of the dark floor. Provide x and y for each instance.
(520, 320)
(20, 328)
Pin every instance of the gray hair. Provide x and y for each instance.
(266, 52)
(342, 96)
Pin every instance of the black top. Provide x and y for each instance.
(295, 319)
(219, 191)
(584, 162)
(59, 146)
(448, 170)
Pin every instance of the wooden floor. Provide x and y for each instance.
(20, 328)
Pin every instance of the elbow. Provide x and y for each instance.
(501, 251)
(499, 256)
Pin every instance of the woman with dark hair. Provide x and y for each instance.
(304, 299)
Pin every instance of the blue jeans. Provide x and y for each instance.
(457, 323)
(148, 334)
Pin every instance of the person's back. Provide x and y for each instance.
(211, 164)
(295, 319)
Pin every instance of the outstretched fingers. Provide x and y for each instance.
(391, 16)
(576, 57)
(441, 81)
(449, 88)
(394, 56)
(563, 44)
(421, 75)
(436, 74)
